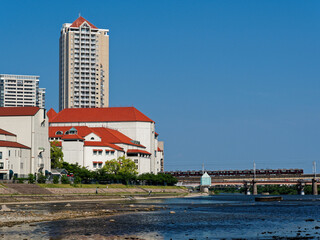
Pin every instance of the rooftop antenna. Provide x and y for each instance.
(314, 169)
(254, 170)
(79, 14)
(202, 168)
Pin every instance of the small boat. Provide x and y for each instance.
(268, 199)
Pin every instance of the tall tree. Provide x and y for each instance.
(56, 155)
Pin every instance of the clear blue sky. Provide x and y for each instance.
(227, 82)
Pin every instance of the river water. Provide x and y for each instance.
(212, 217)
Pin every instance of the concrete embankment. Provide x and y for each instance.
(24, 193)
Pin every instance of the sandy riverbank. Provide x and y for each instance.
(20, 212)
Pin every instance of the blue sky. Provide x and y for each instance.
(227, 82)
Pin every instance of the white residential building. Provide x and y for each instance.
(91, 147)
(14, 157)
(84, 65)
(21, 91)
(144, 147)
(30, 126)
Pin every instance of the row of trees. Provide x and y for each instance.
(121, 170)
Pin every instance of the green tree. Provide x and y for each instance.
(56, 155)
(127, 166)
(112, 166)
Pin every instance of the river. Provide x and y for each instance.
(212, 217)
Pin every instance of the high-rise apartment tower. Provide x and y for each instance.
(21, 91)
(84, 66)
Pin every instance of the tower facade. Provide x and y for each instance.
(21, 91)
(84, 66)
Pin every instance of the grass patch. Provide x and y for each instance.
(51, 185)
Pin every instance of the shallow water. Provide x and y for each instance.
(213, 217)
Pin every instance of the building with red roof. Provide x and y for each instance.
(14, 156)
(24, 133)
(91, 147)
(125, 130)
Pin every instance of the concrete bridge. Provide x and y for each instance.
(253, 181)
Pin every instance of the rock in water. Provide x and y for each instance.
(68, 205)
(4, 208)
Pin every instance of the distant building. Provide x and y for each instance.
(21, 91)
(41, 98)
(84, 66)
(91, 136)
(27, 128)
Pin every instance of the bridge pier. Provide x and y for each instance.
(254, 187)
(301, 186)
(314, 187)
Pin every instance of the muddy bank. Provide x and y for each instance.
(16, 214)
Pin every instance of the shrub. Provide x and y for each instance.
(21, 180)
(55, 179)
(64, 179)
(41, 178)
(77, 180)
(31, 178)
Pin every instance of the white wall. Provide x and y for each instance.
(73, 152)
(13, 162)
(31, 132)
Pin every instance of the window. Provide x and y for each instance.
(94, 152)
(1, 165)
(112, 153)
(21, 165)
(9, 153)
(100, 165)
(100, 152)
(92, 138)
(94, 165)
(0, 155)
(107, 152)
(136, 161)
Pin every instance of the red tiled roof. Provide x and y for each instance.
(4, 132)
(111, 114)
(79, 21)
(102, 144)
(114, 136)
(12, 144)
(51, 113)
(138, 151)
(109, 137)
(18, 111)
(72, 137)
